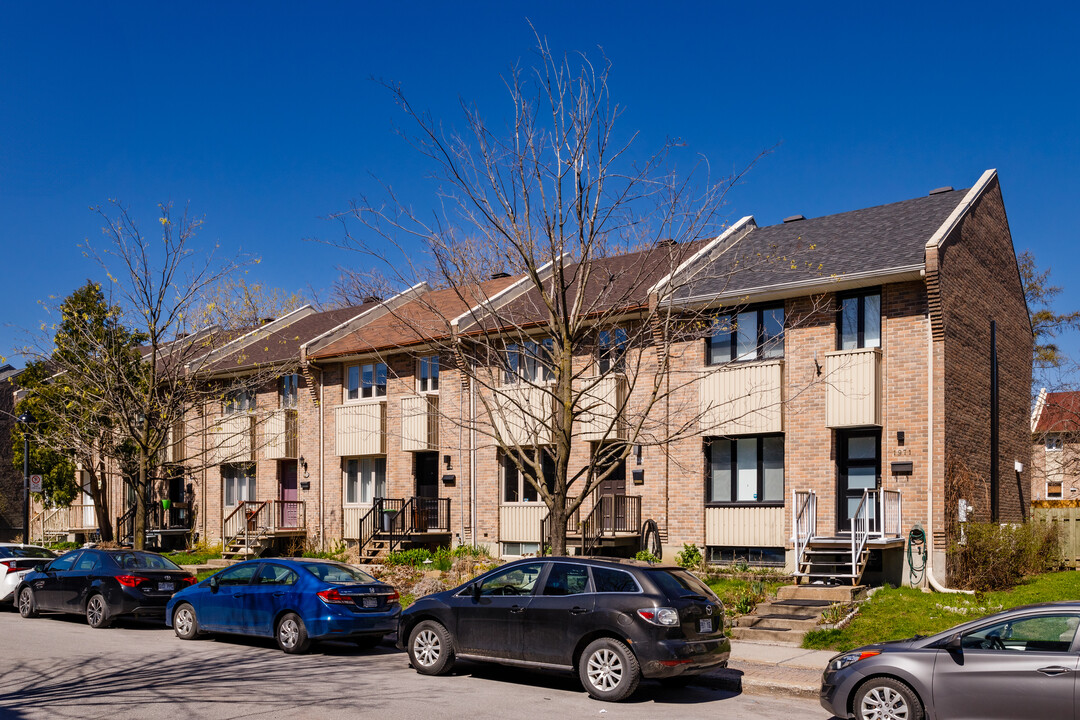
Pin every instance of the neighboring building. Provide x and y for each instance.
(1055, 453)
(11, 477)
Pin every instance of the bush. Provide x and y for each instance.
(413, 557)
(689, 556)
(646, 556)
(998, 557)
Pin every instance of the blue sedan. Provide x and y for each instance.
(295, 601)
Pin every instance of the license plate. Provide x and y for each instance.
(370, 601)
(705, 626)
(165, 586)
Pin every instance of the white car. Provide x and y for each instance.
(15, 561)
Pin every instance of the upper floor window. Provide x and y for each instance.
(1053, 442)
(289, 390)
(745, 469)
(427, 374)
(756, 334)
(517, 487)
(528, 362)
(365, 381)
(236, 401)
(859, 323)
(611, 351)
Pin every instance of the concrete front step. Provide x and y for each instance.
(768, 623)
(830, 593)
(780, 637)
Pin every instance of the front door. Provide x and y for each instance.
(288, 494)
(427, 475)
(858, 469)
(612, 490)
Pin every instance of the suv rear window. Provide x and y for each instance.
(677, 583)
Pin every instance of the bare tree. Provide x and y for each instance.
(233, 303)
(582, 349)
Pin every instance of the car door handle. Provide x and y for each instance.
(578, 610)
(239, 595)
(279, 593)
(1053, 670)
(517, 609)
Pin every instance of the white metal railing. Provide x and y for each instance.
(804, 505)
(860, 530)
(891, 520)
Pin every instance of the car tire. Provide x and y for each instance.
(185, 623)
(97, 612)
(291, 635)
(431, 648)
(888, 699)
(608, 670)
(27, 603)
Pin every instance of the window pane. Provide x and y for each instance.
(720, 471)
(380, 477)
(510, 482)
(351, 482)
(353, 383)
(566, 579)
(510, 374)
(1035, 634)
(862, 448)
(747, 329)
(773, 462)
(720, 342)
(518, 580)
(872, 321)
(434, 369)
(746, 466)
(380, 379)
(849, 324)
(773, 322)
(609, 580)
(862, 479)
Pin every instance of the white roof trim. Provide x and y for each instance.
(366, 316)
(960, 210)
(748, 219)
(1036, 414)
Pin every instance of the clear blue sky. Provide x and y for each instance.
(264, 118)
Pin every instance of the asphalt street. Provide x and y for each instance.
(58, 667)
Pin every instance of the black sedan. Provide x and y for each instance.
(1021, 663)
(610, 621)
(102, 584)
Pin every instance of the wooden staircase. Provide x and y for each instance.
(393, 523)
(251, 528)
(796, 609)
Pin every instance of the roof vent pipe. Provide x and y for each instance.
(666, 242)
(499, 275)
(794, 218)
(372, 299)
(938, 191)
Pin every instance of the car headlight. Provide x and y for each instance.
(842, 661)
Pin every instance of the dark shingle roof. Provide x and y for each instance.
(874, 239)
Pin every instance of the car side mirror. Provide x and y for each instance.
(475, 591)
(40, 567)
(955, 643)
(214, 584)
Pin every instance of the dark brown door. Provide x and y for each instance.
(289, 495)
(613, 498)
(427, 475)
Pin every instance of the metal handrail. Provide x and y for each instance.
(804, 504)
(860, 531)
(890, 519)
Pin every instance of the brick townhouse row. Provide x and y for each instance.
(848, 368)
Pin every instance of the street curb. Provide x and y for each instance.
(736, 681)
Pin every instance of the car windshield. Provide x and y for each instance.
(141, 561)
(678, 583)
(28, 551)
(337, 573)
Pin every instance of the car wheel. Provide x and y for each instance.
(27, 603)
(291, 634)
(185, 624)
(608, 670)
(431, 649)
(97, 612)
(883, 698)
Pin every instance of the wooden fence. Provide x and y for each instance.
(1065, 514)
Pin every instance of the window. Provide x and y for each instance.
(237, 575)
(1053, 442)
(518, 489)
(237, 401)
(611, 351)
(289, 391)
(276, 575)
(518, 580)
(528, 362)
(566, 579)
(746, 469)
(726, 555)
(607, 580)
(859, 323)
(1044, 633)
(89, 561)
(365, 381)
(1053, 488)
(517, 549)
(748, 335)
(428, 374)
(239, 483)
(365, 480)
(64, 562)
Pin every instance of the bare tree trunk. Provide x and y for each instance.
(139, 539)
(99, 493)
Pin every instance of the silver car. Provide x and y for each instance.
(16, 561)
(1021, 663)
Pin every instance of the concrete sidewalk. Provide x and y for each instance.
(779, 670)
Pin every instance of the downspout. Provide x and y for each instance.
(472, 459)
(322, 483)
(930, 466)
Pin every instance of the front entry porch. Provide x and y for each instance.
(398, 523)
(254, 526)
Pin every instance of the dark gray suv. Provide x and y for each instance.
(611, 621)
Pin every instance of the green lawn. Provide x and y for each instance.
(194, 558)
(740, 595)
(896, 613)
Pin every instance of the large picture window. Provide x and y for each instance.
(528, 362)
(859, 321)
(365, 480)
(516, 488)
(365, 381)
(239, 483)
(755, 334)
(745, 469)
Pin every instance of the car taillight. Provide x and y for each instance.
(188, 581)
(660, 616)
(9, 564)
(129, 580)
(394, 596)
(333, 596)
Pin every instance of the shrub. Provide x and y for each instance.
(414, 557)
(998, 557)
(334, 552)
(689, 556)
(646, 556)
